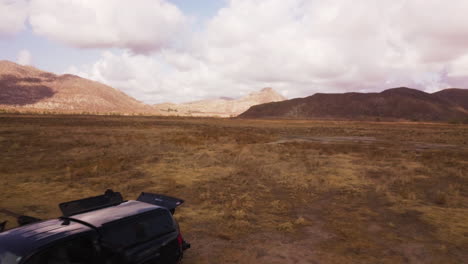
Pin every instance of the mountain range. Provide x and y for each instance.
(222, 107)
(25, 88)
(392, 104)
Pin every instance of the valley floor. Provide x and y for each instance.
(257, 191)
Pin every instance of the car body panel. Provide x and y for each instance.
(133, 231)
(25, 240)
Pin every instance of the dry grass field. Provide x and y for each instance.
(258, 191)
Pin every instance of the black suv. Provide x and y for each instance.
(100, 229)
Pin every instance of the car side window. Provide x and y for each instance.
(141, 228)
(76, 251)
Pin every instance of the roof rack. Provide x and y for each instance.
(108, 199)
(170, 203)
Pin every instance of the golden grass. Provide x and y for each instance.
(254, 192)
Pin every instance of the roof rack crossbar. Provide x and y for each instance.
(108, 199)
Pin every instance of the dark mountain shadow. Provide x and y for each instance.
(23, 91)
(392, 104)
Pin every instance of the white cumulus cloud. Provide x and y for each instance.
(24, 57)
(140, 25)
(13, 14)
(300, 47)
(169, 76)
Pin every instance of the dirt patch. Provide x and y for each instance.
(325, 139)
(431, 146)
(259, 248)
(417, 146)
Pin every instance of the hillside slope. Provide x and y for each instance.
(27, 88)
(392, 104)
(454, 95)
(221, 107)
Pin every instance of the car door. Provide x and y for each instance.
(143, 238)
(77, 250)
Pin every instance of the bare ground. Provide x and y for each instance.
(258, 191)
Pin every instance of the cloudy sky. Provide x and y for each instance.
(181, 50)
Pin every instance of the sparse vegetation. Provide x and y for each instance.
(258, 191)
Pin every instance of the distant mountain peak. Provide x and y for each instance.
(267, 89)
(223, 106)
(403, 90)
(267, 94)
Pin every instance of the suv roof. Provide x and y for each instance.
(99, 217)
(23, 240)
(90, 217)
